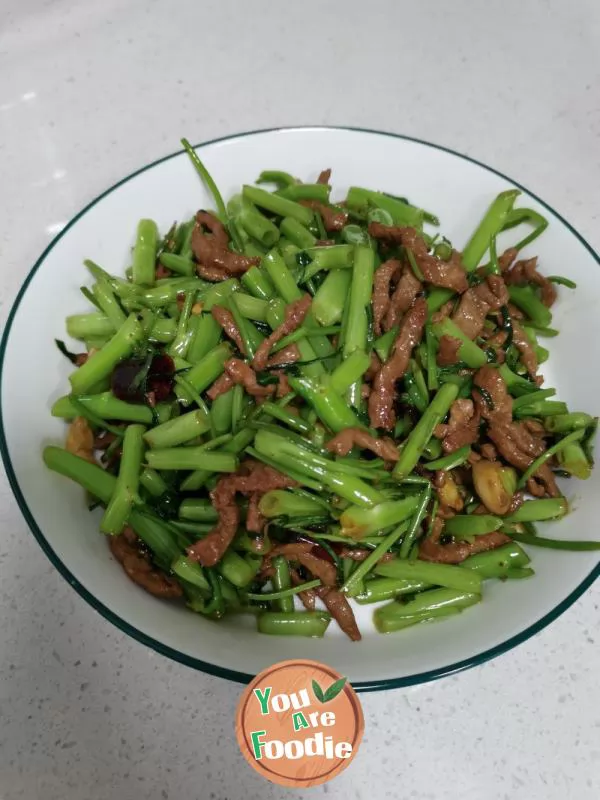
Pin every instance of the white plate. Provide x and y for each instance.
(456, 188)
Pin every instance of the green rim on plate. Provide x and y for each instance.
(176, 655)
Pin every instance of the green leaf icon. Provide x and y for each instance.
(330, 693)
(318, 692)
(334, 689)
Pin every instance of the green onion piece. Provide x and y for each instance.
(491, 224)
(535, 465)
(101, 364)
(298, 623)
(390, 624)
(449, 576)
(83, 410)
(354, 581)
(521, 215)
(463, 526)
(561, 281)
(360, 522)
(121, 502)
(497, 563)
(450, 461)
(563, 423)
(469, 352)
(537, 510)
(425, 605)
(533, 397)
(278, 205)
(192, 458)
(191, 572)
(268, 597)
(237, 570)
(281, 179)
(106, 406)
(361, 200)
(414, 531)
(206, 177)
(555, 544)
(377, 589)
(422, 432)
(144, 253)
(526, 299)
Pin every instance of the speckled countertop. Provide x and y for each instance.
(91, 91)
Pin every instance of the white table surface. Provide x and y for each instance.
(91, 91)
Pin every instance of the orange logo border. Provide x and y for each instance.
(243, 734)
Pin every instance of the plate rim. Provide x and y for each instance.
(167, 650)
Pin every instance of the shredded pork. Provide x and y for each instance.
(343, 442)
(525, 272)
(380, 299)
(432, 549)
(225, 319)
(449, 274)
(513, 440)
(135, 560)
(381, 399)
(295, 314)
(210, 245)
(252, 478)
(462, 428)
(477, 303)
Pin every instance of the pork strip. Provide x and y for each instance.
(447, 354)
(308, 597)
(407, 289)
(431, 549)
(524, 272)
(340, 609)
(252, 478)
(527, 350)
(225, 319)
(380, 299)
(343, 442)
(283, 387)
(513, 440)
(135, 560)
(489, 379)
(255, 522)
(334, 219)
(295, 314)
(80, 439)
(477, 303)
(211, 273)
(286, 355)
(448, 274)
(520, 448)
(373, 367)
(221, 386)
(242, 373)
(325, 571)
(462, 427)
(505, 261)
(359, 554)
(211, 250)
(443, 313)
(381, 399)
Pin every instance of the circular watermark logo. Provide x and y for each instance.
(299, 723)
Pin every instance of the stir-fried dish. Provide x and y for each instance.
(290, 402)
